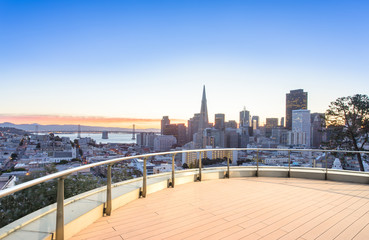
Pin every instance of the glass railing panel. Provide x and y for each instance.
(123, 171)
(274, 158)
(26, 201)
(215, 158)
(247, 158)
(160, 164)
(365, 158)
(318, 159)
(301, 159)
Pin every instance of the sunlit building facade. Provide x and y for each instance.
(301, 127)
(296, 99)
(219, 121)
(244, 118)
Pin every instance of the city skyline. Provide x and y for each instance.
(133, 62)
(123, 122)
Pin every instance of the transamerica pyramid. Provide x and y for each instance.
(204, 120)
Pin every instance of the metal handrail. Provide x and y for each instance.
(67, 172)
(107, 210)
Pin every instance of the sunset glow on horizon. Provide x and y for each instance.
(86, 120)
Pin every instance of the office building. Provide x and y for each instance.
(193, 126)
(181, 134)
(255, 122)
(269, 125)
(231, 124)
(146, 139)
(282, 122)
(231, 138)
(301, 127)
(219, 121)
(164, 121)
(317, 129)
(295, 100)
(179, 131)
(203, 122)
(164, 143)
(244, 118)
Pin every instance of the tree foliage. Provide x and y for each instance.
(347, 121)
(21, 203)
(13, 156)
(26, 201)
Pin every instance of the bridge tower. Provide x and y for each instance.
(79, 131)
(133, 133)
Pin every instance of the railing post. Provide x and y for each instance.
(326, 165)
(60, 210)
(257, 163)
(144, 179)
(229, 156)
(108, 192)
(289, 163)
(200, 165)
(173, 169)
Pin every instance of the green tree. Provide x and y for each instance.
(19, 204)
(13, 156)
(80, 183)
(50, 168)
(347, 121)
(62, 162)
(119, 175)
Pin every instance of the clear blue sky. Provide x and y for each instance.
(146, 59)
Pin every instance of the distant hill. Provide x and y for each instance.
(12, 130)
(69, 128)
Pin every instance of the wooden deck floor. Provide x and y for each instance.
(242, 208)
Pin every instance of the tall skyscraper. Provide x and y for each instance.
(204, 120)
(164, 121)
(214, 137)
(231, 124)
(244, 118)
(317, 129)
(170, 129)
(295, 100)
(193, 126)
(255, 122)
(182, 134)
(179, 131)
(244, 128)
(301, 127)
(219, 121)
(282, 122)
(203, 123)
(270, 124)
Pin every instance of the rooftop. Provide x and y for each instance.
(242, 208)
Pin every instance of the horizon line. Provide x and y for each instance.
(92, 121)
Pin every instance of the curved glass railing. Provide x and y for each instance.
(256, 157)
